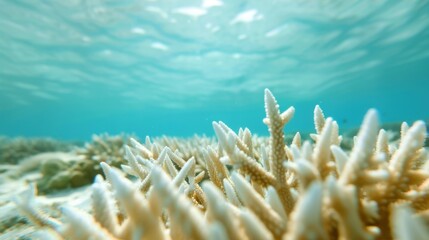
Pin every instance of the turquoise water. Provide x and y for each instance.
(72, 68)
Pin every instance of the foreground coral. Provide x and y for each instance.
(244, 188)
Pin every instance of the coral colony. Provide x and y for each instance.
(244, 187)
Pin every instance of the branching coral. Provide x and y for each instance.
(104, 148)
(255, 190)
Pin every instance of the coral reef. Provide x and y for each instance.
(59, 170)
(244, 187)
(58, 174)
(105, 148)
(16, 149)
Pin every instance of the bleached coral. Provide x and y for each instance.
(255, 190)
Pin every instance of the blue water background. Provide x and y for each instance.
(72, 68)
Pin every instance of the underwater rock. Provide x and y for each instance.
(60, 180)
(79, 179)
(54, 169)
(52, 166)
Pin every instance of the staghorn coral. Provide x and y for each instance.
(104, 148)
(257, 190)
